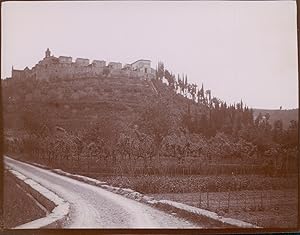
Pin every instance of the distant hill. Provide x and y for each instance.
(285, 115)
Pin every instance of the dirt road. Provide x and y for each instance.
(94, 207)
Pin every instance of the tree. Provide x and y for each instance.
(156, 120)
(170, 78)
(160, 70)
(258, 119)
(208, 96)
(292, 134)
(143, 147)
(201, 94)
(278, 131)
(178, 82)
(267, 116)
(103, 134)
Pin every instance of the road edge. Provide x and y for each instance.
(168, 205)
(59, 207)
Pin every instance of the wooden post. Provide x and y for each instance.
(261, 200)
(286, 167)
(237, 199)
(219, 200)
(88, 163)
(228, 201)
(200, 200)
(245, 201)
(207, 200)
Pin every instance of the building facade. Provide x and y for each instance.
(142, 66)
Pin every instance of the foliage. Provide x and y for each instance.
(182, 124)
(155, 120)
(187, 184)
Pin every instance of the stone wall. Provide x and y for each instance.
(99, 63)
(65, 59)
(63, 68)
(82, 62)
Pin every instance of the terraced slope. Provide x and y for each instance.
(75, 103)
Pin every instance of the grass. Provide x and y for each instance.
(18, 207)
(270, 202)
(198, 183)
(266, 208)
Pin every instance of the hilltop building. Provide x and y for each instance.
(63, 67)
(142, 66)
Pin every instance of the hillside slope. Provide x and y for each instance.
(74, 104)
(131, 123)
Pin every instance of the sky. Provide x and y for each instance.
(238, 50)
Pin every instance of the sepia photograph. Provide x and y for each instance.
(151, 115)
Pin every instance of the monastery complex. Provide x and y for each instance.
(63, 67)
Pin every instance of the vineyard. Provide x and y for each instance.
(132, 156)
(267, 208)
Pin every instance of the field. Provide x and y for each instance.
(265, 201)
(268, 208)
(197, 183)
(18, 207)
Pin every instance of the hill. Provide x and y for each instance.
(76, 104)
(285, 115)
(128, 122)
(73, 104)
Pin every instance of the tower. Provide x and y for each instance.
(47, 53)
